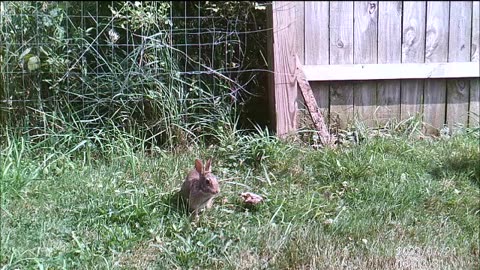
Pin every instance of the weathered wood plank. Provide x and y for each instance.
(300, 30)
(460, 31)
(325, 137)
(475, 32)
(316, 49)
(316, 27)
(436, 51)
(458, 51)
(365, 52)
(389, 51)
(299, 23)
(284, 16)
(474, 107)
(391, 71)
(341, 52)
(413, 47)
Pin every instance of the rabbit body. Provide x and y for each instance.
(200, 187)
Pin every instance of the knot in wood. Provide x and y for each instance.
(410, 36)
(340, 44)
(461, 84)
(372, 7)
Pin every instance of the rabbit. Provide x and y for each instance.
(200, 187)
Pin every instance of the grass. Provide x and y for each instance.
(389, 202)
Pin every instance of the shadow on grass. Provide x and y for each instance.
(469, 166)
(176, 203)
(466, 163)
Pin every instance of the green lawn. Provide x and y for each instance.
(386, 203)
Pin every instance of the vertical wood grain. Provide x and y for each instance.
(316, 48)
(459, 51)
(365, 52)
(474, 106)
(285, 45)
(341, 52)
(413, 51)
(300, 51)
(389, 51)
(436, 50)
(300, 30)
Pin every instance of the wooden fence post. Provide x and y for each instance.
(284, 86)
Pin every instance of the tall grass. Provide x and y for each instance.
(120, 73)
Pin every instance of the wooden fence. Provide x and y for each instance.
(376, 61)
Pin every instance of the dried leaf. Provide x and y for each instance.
(251, 198)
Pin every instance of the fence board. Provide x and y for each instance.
(389, 51)
(421, 56)
(300, 30)
(341, 52)
(365, 52)
(475, 32)
(391, 71)
(413, 45)
(459, 50)
(474, 108)
(316, 49)
(436, 51)
(300, 50)
(284, 13)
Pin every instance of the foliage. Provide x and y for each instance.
(95, 67)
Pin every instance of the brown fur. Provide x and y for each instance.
(200, 187)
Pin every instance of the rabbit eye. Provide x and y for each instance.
(208, 181)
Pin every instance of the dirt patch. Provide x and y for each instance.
(421, 258)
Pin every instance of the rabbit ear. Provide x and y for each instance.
(208, 165)
(198, 166)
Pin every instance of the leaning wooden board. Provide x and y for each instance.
(317, 118)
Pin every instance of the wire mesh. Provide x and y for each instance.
(145, 64)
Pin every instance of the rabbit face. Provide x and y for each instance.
(211, 183)
(208, 181)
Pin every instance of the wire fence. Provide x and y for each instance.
(165, 68)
